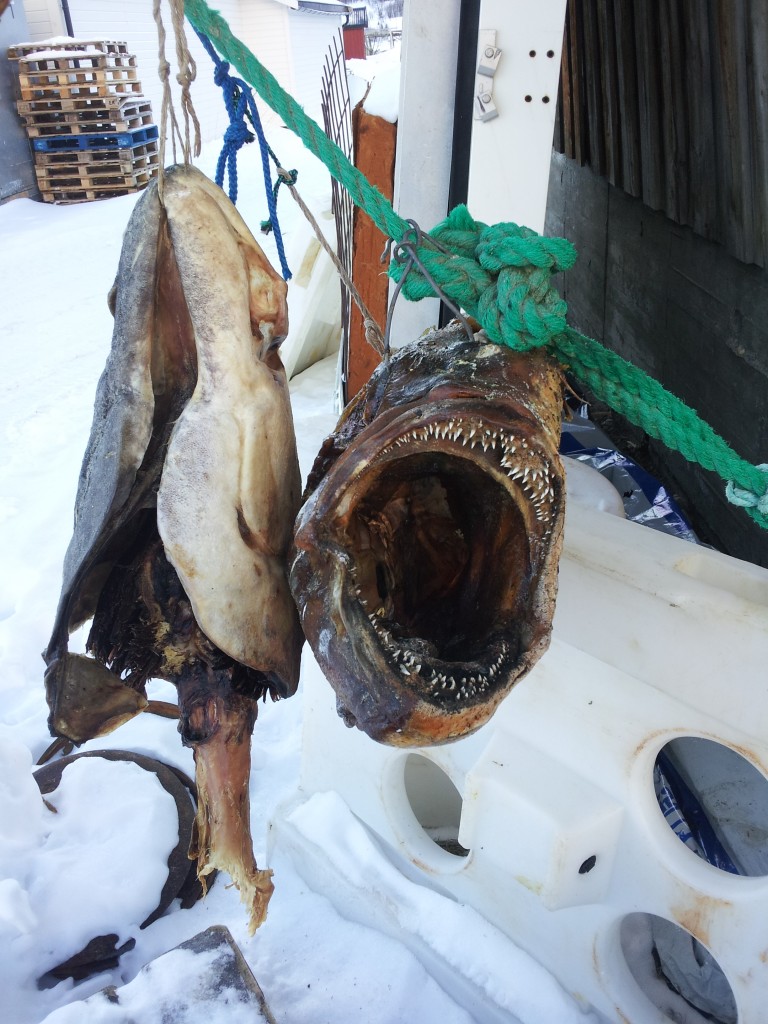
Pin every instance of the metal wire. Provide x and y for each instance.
(405, 253)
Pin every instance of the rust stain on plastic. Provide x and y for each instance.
(696, 917)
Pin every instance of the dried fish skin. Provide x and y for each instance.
(426, 553)
(122, 424)
(218, 726)
(231, 471)
(87, 700)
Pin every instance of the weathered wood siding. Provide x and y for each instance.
(686, 311)
(668, 100)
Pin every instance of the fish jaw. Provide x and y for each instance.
(425, 561)
(86, 700)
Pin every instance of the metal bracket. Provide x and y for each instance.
(489, 61)
(489, 56)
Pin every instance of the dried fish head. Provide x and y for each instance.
(426, 553)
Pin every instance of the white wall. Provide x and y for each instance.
(44, 19)
(425, 134)
(265, 31)
(310, 36)
(132, 21)
(290, 44)
(509, 165)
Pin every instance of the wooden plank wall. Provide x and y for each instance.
(668, 100)
(687, 312)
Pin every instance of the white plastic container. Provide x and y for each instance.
(565, 848)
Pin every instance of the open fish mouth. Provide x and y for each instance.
(437, 531)
(447, 617)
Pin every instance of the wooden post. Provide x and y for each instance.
(374, 147)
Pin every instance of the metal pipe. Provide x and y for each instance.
(466, 68)
(67, 18)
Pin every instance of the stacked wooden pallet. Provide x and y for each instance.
(89, 124)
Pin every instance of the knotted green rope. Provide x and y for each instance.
(501, 275)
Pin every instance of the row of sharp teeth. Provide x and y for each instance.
(444, 685)
(536, 483)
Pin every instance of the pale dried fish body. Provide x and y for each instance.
(231, 470)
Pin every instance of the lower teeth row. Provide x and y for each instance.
(443, 685)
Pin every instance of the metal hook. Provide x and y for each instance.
(405, 252)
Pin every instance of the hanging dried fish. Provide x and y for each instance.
(187, 496)
(426, 553)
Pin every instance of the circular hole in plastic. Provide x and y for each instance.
(545, 99)
(676, 972)
(528, 99)
(716, 803)
(587, 865)
(550, 53)
(532, 53)
(435, 801)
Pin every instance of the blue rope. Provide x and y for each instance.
(239, 101)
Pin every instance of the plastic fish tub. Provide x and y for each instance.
(548, 821)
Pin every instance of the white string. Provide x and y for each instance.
(185, 77)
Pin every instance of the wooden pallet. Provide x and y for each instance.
(73, 62)
(92, 118)
(80, 84)
(85, 195)
(87, 187)
(51, 104)
(88, 141)
(19, 50)
(85, 177)
(125, 159)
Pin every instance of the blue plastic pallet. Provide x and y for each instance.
(102, 140)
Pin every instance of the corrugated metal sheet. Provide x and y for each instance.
(668, 99)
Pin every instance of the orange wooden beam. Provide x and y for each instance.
(374, 142)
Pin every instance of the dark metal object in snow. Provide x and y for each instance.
(102, 952)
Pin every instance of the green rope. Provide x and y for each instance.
(501, 275)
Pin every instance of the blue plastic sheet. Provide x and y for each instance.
(646, 500)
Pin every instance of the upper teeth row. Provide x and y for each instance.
(536, 483)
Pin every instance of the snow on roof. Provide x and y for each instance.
(324, 7)
(316, 6)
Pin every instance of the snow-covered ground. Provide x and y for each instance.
(97, 864)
